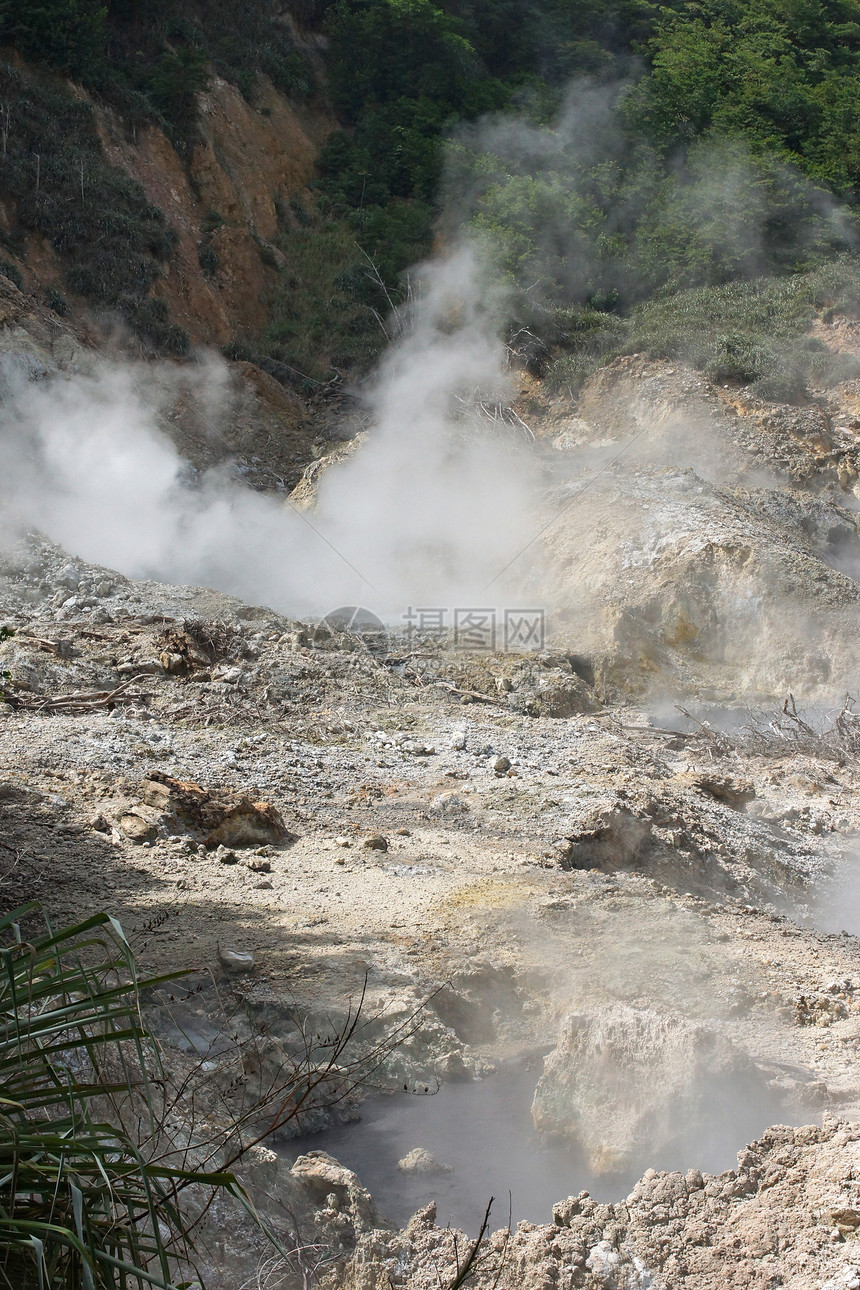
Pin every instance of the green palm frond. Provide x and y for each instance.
(82, 1205)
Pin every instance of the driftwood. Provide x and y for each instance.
(81, 700)
(471, 694)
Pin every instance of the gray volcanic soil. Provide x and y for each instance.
(511, 857)
(612, 865)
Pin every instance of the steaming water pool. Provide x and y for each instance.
(483, 1130)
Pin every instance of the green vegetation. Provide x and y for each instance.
(330, 310)
(753, 332)
(616, 230)
(704, 144)
(105, 1170)
(781, 74)
(747, 333)
(404, 73)
(158, 57)
(112, 240)
(714, 144)
(68, 35)
(84, 1201)
(152, 60)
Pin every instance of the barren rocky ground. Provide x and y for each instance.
(628, 858)
(531, 880)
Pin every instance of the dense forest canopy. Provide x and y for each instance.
(658, 148)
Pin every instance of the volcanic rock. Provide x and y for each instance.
(611, 838)
(552, 693)
(421, 1161)
(136, 828)
(628, 1084)
(236, 961)
(734, 790)
(248, 824)
(322, 1174)
(230, 820)
(376, 842)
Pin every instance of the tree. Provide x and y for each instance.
(69, 35)
(781, 74)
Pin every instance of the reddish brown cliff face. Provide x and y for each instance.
(249, 163)
(228, 197)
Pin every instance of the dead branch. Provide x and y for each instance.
(789, 709)
(471, 694)
(835, 738)
(61, 648)
(83, 700)
(497, 413)
(468, 1266)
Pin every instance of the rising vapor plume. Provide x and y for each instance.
(641, 551)
(426, 512)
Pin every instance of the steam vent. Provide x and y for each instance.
(429, 645)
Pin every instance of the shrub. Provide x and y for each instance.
(12, 272)
(207, 257)
(150, 320)
(586, 339)
(748, 333)
(329, 308)
(82, 1203)
(56, 302)
(781, 77)
(753, 332)
(111, 239)
(66, 34)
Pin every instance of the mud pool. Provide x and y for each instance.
(483, 1130)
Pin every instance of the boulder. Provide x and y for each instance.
(448, 804)
(226, 820)
(136, 828)
(632, 1087)
(421, 1161)
(554, 692)
(248, 824)
(376, 842)
(321, 1175)
(183, 801)
(236, 961)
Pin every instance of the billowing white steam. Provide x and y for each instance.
(427, 512)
